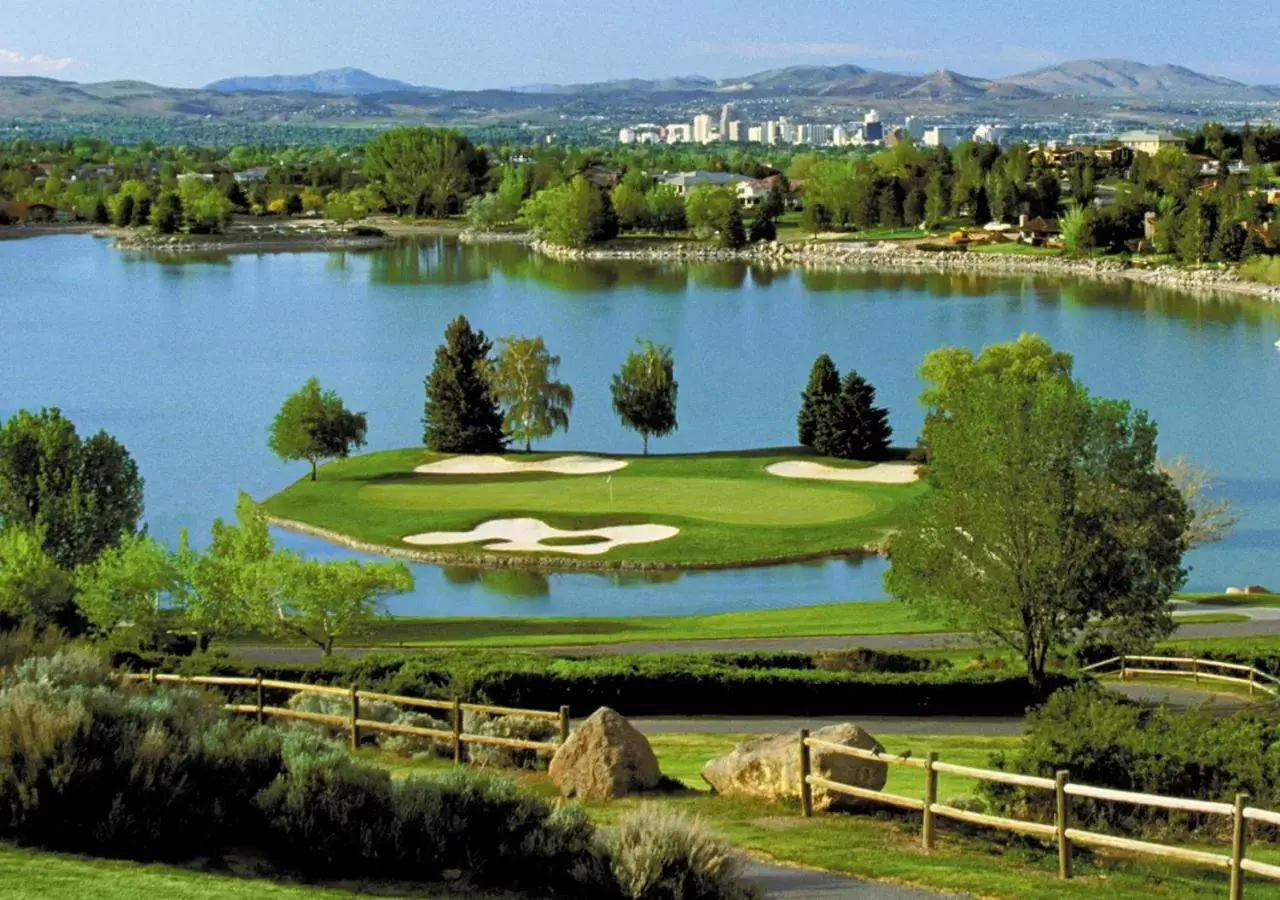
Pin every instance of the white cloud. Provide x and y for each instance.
(793, 49)
(14, 63)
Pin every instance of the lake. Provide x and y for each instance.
(187, 363)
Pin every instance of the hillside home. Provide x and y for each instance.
(1149, 142)
(684, 182)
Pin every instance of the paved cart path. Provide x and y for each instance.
(786, 883)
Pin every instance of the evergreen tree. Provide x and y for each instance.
(864, 430)
(124, 215)
(1228, 243)
(101, 216)
(763, 229)
(293, 205)
(734, 233)
(913, 207)
(935, 205)
(461, 413)
(141, 212)
(166, 215)
(1193, 232)
(816, 399)
(981, 207)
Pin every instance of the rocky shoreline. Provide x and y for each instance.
(471, 236)
(887, 256)
(546, 563)
(239, 242)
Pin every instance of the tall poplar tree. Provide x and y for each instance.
(461, 413)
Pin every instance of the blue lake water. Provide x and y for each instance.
(187, 362)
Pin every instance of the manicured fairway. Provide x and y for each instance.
(728, 509)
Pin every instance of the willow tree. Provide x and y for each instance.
(535, 405)
(644, 392)
(1049, 520)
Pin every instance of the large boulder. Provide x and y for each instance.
(605, 758)
(769, 768)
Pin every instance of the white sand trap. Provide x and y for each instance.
(528, 535)
(881, 473)
(497, 465)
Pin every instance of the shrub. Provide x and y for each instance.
(28, 640)
(670, 684)
(524, 728)
(864, 660)
(413, 744)
(1107, 741)
(662, 855)
(328, 815)
(75, 666)
(92, 768)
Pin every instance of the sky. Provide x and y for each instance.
(502, 43)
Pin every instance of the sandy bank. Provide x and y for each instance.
(881, 473)
(497, 465)
(530, 535)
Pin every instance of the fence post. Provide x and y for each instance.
(457, 731)
(806, 790)
(564, 724)
(1251, 679)
(1124, 667)
(1237, 848)
(1195, 670)
(1063, 822)
(355, 715)
(151, 676)
(260, 704)
(930, 798)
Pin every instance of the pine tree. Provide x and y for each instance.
(124, 215)
(867, 430)
(1193, 232)
(101, 216)
(816, 400)
(461, 413)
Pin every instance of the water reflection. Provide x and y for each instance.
(503, 582)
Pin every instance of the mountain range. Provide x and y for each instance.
(346, 94)
(1087, 77)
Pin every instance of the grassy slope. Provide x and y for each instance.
(728, 509)
(872, 617)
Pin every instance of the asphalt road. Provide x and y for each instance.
(787, 883)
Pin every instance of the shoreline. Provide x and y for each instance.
(541, 563)
(889, 257)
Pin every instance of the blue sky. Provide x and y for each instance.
(498, 43)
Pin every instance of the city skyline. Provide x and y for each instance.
(493, 45)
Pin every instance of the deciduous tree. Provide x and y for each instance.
(1049, 519)
(535, 404)
(313, 424)
(644, 392)
(126, 586)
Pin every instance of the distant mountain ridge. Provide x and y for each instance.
(347, 82)
(1085, 77)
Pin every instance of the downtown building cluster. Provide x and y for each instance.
(734, 127)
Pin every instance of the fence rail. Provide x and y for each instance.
(357, 726)
(1060, 830)
(1199, 669)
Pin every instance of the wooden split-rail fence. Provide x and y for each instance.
(1060, 831)
(1128, 667)
(356, 726)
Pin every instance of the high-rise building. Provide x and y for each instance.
(771, 133)
(914, 128)
(871, 118)
(872, 130)
(737, 131)
(726, 116)
(626, 136)
(702, 128)
(679, 133)
(942, 136)
(755, 134)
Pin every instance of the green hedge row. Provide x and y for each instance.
(645, 685)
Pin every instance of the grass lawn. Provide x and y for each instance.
(1232, 599)
(885, 845)
(1015, 249)
(36, 875)
(1210, 618)
(870, 617)
(728, 509)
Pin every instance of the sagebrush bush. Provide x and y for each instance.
(413, 744)
(71, 666)
(1105, 740)
(525, 728)
(659, 854)
(92, 768)
(28, 640)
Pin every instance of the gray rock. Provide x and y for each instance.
(769, 768)
(605, 758)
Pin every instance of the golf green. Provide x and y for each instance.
(728, 509)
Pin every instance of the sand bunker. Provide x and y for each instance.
(497, 465)
(881, 473)
(528, 535)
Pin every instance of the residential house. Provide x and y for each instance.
(206, 177)
(753, 193)
(254, 175)
(1038, 231)
(1149, 142)
(1118, 155)
(24, 212)
(1207, 166)
(602, 176)
(684, 182)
